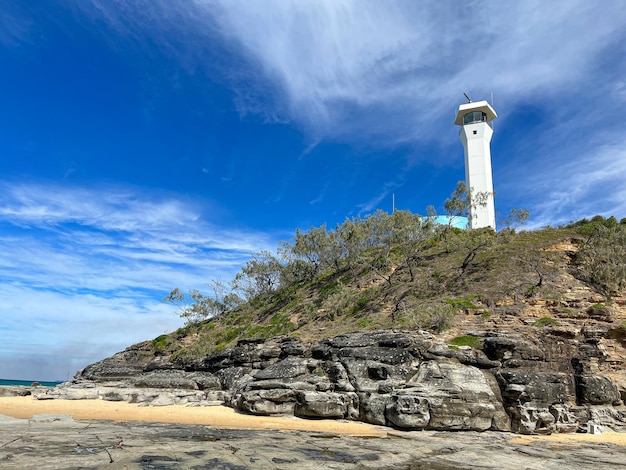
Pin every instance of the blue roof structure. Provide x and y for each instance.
(458, 222)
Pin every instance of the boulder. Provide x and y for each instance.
(287, 368)
(265, 402)
(540, 388)
(459, 397)
(373, 376)
(597, 390)
(408, 411)
(326, 405)
(513, 351)
(372, 407)
(532, 420)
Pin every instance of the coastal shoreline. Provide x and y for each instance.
(220, 416)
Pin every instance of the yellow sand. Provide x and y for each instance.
(215, 416)
(224, 417)
(618, 438)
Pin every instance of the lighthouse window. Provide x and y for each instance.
(474, 116)
(475, 132)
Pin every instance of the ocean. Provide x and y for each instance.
(27, 383)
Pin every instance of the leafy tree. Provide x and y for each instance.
(463, 200)
(516, 218)
(194, 307)
(314, 248)
(602, 259)
(411, 234)
(378, 238)
(458, 204)
(351, 235)
(261, 275)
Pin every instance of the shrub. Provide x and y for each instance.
(602, 260)
(464, 302)
(467, 340)
(435, 317)
(545, 321)
(160, 342)
(338, 302)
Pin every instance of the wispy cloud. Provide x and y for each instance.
(79, 262)
(49, 334)
(344, 66)
(591, 181)
(368, 74)
(384, 74)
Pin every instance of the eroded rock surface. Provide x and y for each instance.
(59, 442)
(529, 384)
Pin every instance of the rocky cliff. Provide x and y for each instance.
(534, 346)
(552, 379)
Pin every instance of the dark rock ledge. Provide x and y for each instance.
(394, 378)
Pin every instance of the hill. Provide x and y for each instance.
(396, 321)
(400, 271)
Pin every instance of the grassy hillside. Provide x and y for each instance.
(402, 271)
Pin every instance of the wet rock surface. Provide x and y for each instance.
(59, 442)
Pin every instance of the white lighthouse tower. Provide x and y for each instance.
(476, 131)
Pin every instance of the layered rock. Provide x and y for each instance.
(408, 380)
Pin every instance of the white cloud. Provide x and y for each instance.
(47, 334)
(344, 65)
(84, 270)
(365, 72)
(366, 69)
(564, 190)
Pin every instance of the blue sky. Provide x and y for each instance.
(149, 144)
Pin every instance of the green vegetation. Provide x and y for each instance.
(160, 342)
(589, 227)
(464, 302)
(397, 270)
(601, 260)
(545, 321)
(466, 340)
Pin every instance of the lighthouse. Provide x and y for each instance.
(476, 131)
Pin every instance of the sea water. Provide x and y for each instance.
(26, 383)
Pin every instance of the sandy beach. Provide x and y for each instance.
(227, 418)
(215, 416)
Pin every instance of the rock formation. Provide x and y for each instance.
(538, 363)
(526, 383)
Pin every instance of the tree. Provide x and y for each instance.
(309, 246)
(516, 218)
(378, 240)
(261, 275)
(602, 259)
(194, 307)
(351, 235)
(411, 233)
(462, 201)
(458, 204)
